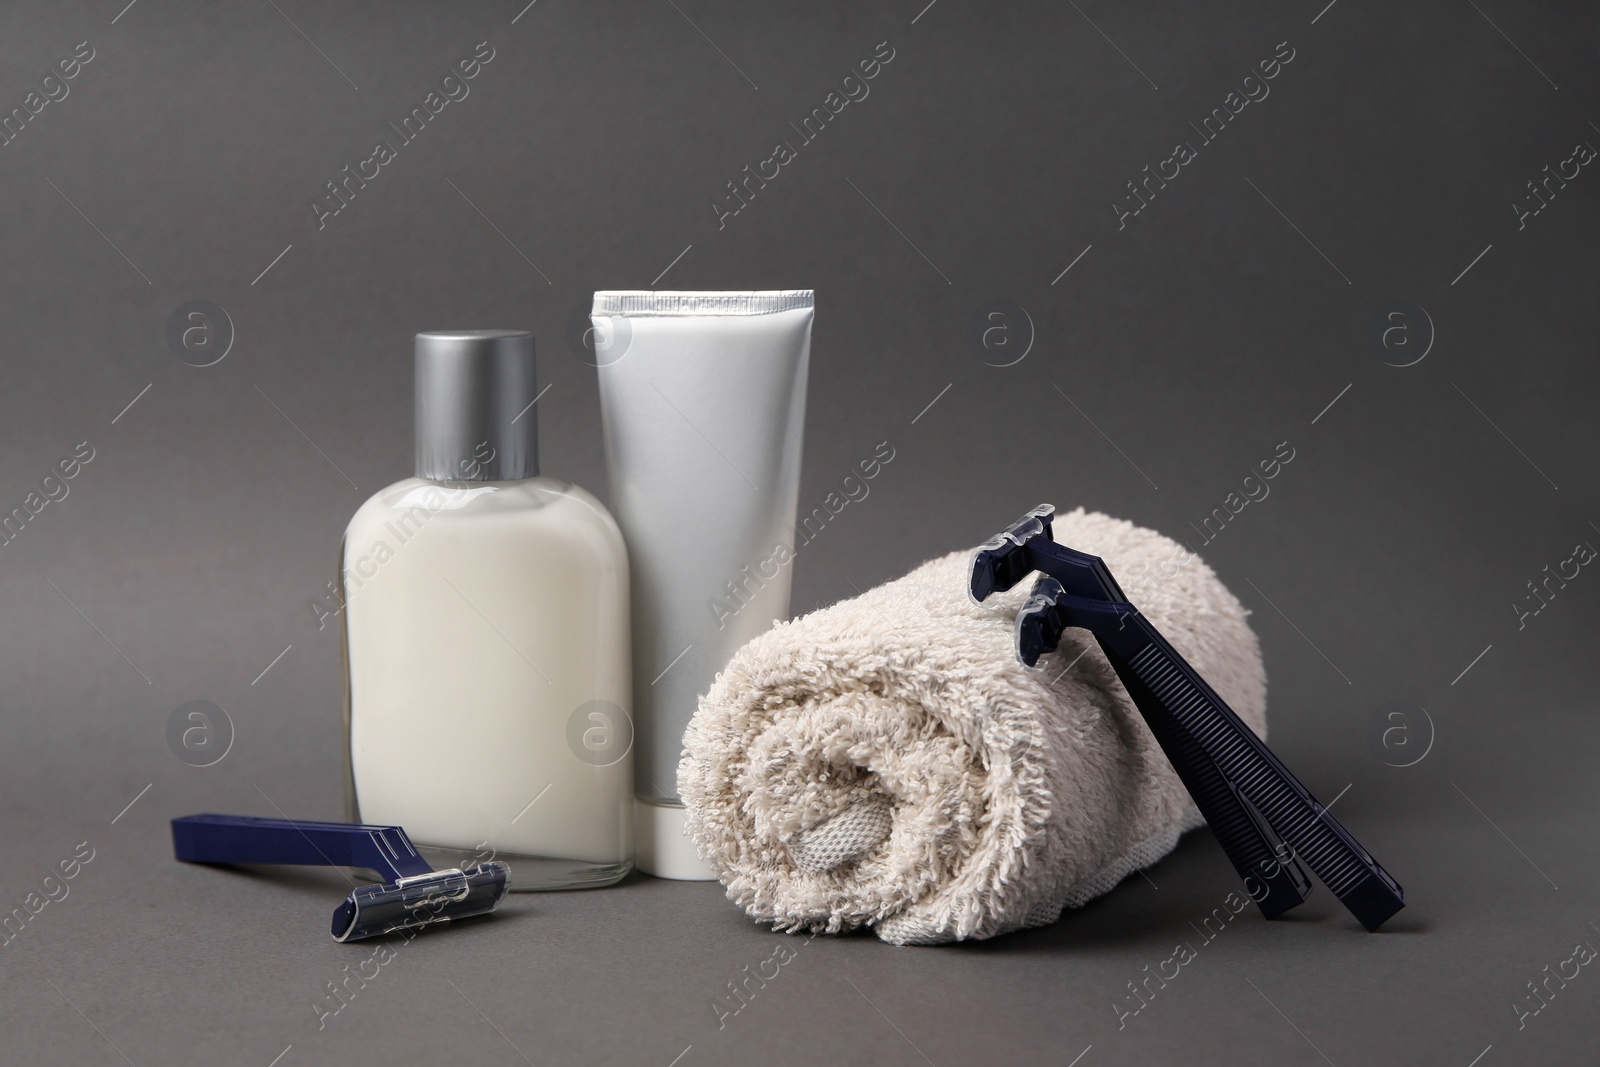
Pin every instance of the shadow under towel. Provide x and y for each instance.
(887, 762)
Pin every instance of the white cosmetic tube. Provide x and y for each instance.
(703, 397)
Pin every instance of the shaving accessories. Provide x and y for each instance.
(702, 400)
(1253, 804)
(888, 763)
(485, 613)
(411, 894)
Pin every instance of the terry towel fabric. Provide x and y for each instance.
(887, 762)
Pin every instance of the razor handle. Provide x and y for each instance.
(248, 839)
(1271, 876)
(1183, 709)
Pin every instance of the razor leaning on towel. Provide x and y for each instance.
(413, 893)
(1253, 804)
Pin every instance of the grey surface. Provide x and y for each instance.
(1208, 330)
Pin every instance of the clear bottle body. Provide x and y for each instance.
(487, 685)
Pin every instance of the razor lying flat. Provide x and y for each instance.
(1251, 801)
(413, 893)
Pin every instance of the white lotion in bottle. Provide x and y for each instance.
(487, 678)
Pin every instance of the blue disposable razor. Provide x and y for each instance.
(1258, 810)
(413, 894)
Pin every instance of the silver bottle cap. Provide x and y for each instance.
(475, 419)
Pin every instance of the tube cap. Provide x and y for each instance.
(474, 406)
(662, 846)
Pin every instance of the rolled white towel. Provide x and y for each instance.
(887, 762)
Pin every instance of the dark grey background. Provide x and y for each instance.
(1196, 339)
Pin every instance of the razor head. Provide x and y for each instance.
(421, 900)
(1041, 621)
(1002, 561)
